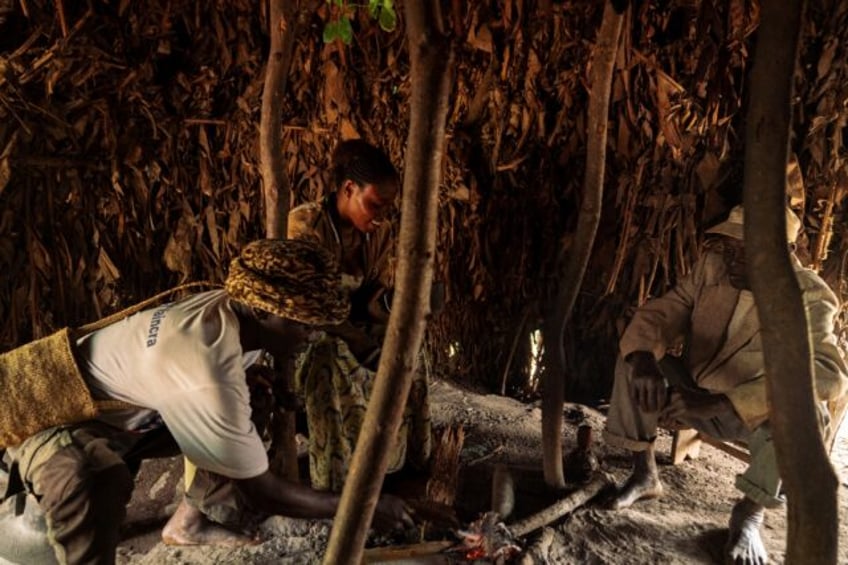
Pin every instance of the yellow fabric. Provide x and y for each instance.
(189, 470)
(41, 386)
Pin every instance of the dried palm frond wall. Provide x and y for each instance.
(128, 158)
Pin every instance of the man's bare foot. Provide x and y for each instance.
(188, 526)
(744, 544)
(643, 483)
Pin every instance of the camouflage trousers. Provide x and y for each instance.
(336, 389)
(82, 477)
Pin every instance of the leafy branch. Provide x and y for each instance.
(340, 28)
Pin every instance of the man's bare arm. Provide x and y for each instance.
(274, 495)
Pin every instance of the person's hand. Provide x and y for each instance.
(647, 386)
(392, 513)
(687, 405)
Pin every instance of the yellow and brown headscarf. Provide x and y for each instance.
(298, 280)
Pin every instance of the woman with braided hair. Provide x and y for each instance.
(336, 375)
(179, 372)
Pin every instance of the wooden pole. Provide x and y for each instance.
(809, 479)
(431, 60)
(276, 195)
(275, 183)
(603, 63)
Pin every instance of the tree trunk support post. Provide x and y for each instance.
(275, 183)
(431, 61)
(809, 479)
(277, 194)
(603, 64)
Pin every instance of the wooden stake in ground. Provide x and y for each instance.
(809, 479)
(431, 60)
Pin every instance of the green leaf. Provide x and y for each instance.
(345, 30)
(388, 18)
(374, 8)
(331, 32)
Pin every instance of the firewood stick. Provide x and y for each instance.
(562, 507)
(383, 554)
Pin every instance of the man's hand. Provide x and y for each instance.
(647, 386)
(392, 513)
(686, 405)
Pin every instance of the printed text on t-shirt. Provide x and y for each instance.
(155, 322)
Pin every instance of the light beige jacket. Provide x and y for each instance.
(697, 313)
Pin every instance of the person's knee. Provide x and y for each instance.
(72, 482)
(83, 491)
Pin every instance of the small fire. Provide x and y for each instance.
(486, 537)
(475, 553)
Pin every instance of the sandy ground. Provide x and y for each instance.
(687, 525)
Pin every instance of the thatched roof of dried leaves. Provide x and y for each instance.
(128, 158)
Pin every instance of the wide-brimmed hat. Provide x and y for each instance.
(733, 226)
(294, 279)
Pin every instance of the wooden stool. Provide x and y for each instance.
(687, 443)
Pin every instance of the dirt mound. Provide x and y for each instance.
(687, 525)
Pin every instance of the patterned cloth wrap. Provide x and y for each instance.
(298, 280)
(336, 390)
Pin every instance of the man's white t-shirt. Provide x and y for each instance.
(183, 362)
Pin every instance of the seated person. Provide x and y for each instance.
(337, 373)
(180, 370)
(719, 386)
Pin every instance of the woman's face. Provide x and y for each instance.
(363, 207)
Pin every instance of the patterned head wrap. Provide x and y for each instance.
(293, 279)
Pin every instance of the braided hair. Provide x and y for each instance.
(363, 163)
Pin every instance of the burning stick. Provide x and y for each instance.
(562, 507)
(404, 552)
